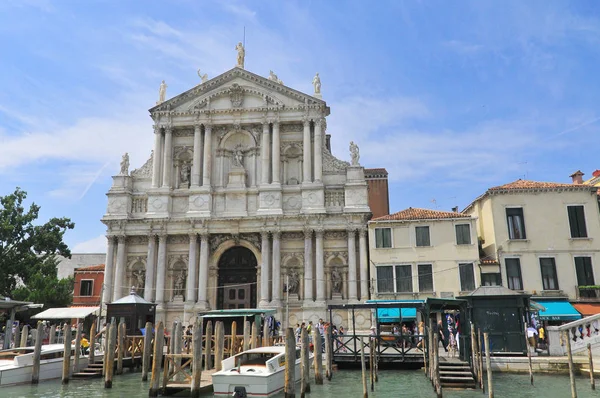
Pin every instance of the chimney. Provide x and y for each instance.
(455, 209)
(577, 177)
(596, 173)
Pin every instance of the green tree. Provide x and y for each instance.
(28, 253)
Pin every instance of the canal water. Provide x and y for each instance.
(345, 383)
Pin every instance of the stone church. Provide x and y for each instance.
(240, 205)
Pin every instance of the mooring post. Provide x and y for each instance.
(233, 347)
(571, 369)
(110, 358)
(52, 335)
(436, 360)
(480, 350)
(377, 359)
(177, 348)
(591, 364)
(430, 351)
(208, 346)
(529, 356)
(371, 364)
(92, 341)
(488, 364)
(305, 363)
(318, 356)
(196, 359)
(328, 353)
(363, 367)
(147, 350)
(219, 345)
(120, 347)
(37, 353)
(159, 342)
(77, 351)
(66, 353)
(17, 337)
(24, 336)
(246, 343)
(473, 352)
(254, 339)
(290, 364)
(265, 339)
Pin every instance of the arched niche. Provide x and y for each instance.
(183, 157)
(238, 150)
(292, 165)
(177, 278)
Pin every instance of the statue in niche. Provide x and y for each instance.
(336, 281)
(184, 175)
(179, 284)
(354, 153)
(241, 54)
(139, 276)
(317, 83)
(125, 165)
(238, 157)
(293, 282)
(162, 93)
(203, 77)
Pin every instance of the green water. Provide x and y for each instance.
(345, 383)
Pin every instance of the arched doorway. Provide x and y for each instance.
(237, 279)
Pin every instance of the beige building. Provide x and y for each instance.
(419, 253)
(540, 237)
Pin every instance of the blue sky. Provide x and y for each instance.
(450, 97)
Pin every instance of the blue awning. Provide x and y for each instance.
(558, 311)
(389, 315)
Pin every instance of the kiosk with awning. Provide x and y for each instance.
(558, 310)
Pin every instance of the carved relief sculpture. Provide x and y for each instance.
(354, 153)
(236, 95)
(241, 54)
(124, 165)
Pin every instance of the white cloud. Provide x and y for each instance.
(94, 245)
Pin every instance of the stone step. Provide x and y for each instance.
(455, 373)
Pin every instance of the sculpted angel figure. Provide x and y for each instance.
(125, 165)
(354, 153)
(162, 92)
(241, 54)
(317, 83)
(203, 77)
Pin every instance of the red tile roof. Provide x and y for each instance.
(376, 171)
(99, 267)
(528, 184)
(413, 213)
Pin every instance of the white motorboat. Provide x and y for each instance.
(16, 364)
(259, 372)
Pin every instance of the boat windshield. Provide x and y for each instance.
(255, 358)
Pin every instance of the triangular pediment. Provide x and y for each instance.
(237, 89)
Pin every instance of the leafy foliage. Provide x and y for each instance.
(28, 253)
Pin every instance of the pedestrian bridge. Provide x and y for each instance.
(580, 333)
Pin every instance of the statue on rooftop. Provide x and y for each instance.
(203, 77)
(273, 77)
(162, 93)
(241, 55)
(125, 165)
(317, 83)
(354, 153)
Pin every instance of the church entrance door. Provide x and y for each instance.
(237, 279)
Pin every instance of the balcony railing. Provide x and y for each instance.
(588, 293)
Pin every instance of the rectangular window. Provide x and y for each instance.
(577, 221)
(490, 279)
(548, 269)
(467, 277)
(463, 234)
(516, 223)
(404, 279)
(86, 287)
(422, 234)
(513, 273)
(383, 238)
(425, 278)
(585, 274)
(385, 279)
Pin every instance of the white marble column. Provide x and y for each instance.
(306, 150)
(156, 157)
(149, 283)
(206, 171)
(308, 266)
(203, 276)
(276, 154)
(190, 297)
(320, 268)
(276, 289)
(196, 165)
(363, 264)
(120, 268)
(264, 270)
(161, 269)
(318, 150)
(109, 271)
(264, 154)
(168, 158)
(352, 287)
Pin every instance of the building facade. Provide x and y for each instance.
(87, 286)
(66, 266)
(379, 197)
(540, 237)
(240, 205)
(420, 253)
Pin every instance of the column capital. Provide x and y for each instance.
(121, 238)
(319, 121)
(305, 121)
(168, 129)
(162, 237)
(204, 235)
(362, 231)
(264, 234)
(351, 231)
(265, 122)
(197, 127)
(207, 127)
(308, 232)
(276, 234)
(111, 238)
(193, 235)
(157, 128)
(319, 232)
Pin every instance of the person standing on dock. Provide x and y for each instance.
(440, 332)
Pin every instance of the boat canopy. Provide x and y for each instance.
(66, 313)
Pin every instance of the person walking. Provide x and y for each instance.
(441, 334)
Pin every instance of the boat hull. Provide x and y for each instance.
(49, 369)
(266, 385)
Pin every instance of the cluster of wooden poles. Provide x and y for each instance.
(567, 339)
(432, 364)
(477, 353)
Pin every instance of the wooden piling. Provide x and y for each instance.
(66, 354)
(289, 387)
(159, 342)
(436, 360)
(92, 347)
(196, 359)
(246, 343)
(37, 353)
(480, 354)
(265, 339)
(17, 337)
(304, 363)
(474, 363)
(110, 358)
(120, 347)
(147, 350)
(219, 345)
(591, 364)
(377, 360)
(371, 364)
(233, 347)
(254, 339)
(430, 350)
(488, 364)
(177, 337)
(51, 335)
(77, 351)
(208, 346)
(529, 356)
(363, 367)
(328, 354)
(318, 356)
(571, 369)
(24, 336)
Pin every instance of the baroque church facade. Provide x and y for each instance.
(241, 205)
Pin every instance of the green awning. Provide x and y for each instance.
(558, 311)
